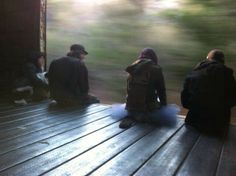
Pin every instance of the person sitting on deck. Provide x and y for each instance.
(68, 78)
(209, 92)
(146, 92)
(33, 85)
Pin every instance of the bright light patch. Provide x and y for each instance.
(89, 2)
(168, 4)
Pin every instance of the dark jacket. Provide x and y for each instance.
(30, 73)
(68, 79)
(209, 93)
(155, 86)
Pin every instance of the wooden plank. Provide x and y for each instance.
(90, 160)
(64, 140)
(127, 162)
(16, 114)
(6, 119)
(6, 106)
(13, 110)
(65, 152)
(9, 118)
(49, 120)
(167, 160)
(57, 131)
(22, 120)
(227, 164)
(88, 141)
(204, 157)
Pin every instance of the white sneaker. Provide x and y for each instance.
(20, 102)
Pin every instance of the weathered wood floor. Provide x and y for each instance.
(38, 140)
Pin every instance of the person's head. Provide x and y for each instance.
(78, 51)
(37, 58)
(216, 55)
(149, 53)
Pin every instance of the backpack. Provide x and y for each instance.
(137, 90)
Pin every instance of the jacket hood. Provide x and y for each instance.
(139, 66)
(149, 53)
(213, 66)
(206, 63)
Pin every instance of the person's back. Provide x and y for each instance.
(68, 78)
(146, 93)
(145, 86)
(64, 75)
(209, 93)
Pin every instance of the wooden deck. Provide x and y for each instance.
(38, 140)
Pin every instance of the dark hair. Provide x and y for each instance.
(34, 56)
(216, 55)
(149, 53)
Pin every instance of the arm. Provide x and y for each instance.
(160, 86)
(83, 78)
(31, 72)
(231, 89)
(185, 95)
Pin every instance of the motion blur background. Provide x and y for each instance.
(115, 31)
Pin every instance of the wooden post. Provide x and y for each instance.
(43, 27)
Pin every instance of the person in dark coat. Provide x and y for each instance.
(146, 90)
(209, 93)
(155, 95)
(68, 78)
(35, 73)
(33, 83)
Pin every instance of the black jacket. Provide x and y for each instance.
(30, 73)
(68, 78)
(209, 93)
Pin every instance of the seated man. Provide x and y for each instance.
(68, 78)
(209, 93)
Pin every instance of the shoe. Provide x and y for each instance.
(20, 102)
(126, 123)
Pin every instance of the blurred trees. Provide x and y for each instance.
(115, 31)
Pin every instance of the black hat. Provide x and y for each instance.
(78, 47)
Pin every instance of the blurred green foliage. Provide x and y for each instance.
(115, 31)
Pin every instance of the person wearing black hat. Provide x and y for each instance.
(68, 78)
(209, 92)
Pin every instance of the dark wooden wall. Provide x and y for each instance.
(19, 34)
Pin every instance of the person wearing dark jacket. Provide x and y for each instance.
(146, 90)
(68, 78)
(33, 83)
(209, 93)
(146, 67)
(34, 72)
